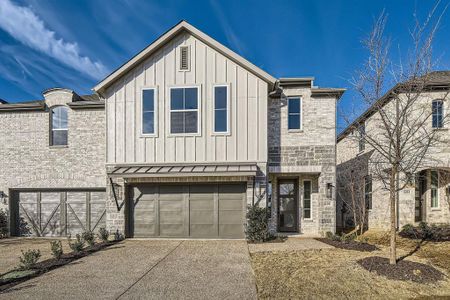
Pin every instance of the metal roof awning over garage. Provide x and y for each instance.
(184, 170)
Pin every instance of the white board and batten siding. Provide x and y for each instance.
(247, 140)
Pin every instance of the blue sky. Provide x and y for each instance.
(73, 44)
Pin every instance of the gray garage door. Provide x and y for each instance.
(57, 212)
(191, 210)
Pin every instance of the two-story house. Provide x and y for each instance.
(186, 134)
(426, 194)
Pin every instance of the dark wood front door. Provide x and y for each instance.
(287, 206)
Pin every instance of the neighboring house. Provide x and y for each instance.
(194, 134)
(426, 195)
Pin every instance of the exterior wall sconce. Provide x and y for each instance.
(3, 197)
(329, 190)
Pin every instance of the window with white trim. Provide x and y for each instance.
(184, 110)
(307, 191)
(437, 114)
(294, 113)
(148, 111)
(434, 187)
(221, 106)
(59, 126)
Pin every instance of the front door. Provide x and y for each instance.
(287, 206)
(421, 186)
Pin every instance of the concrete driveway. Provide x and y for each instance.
(150, 269)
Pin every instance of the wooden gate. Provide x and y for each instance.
(57, 212)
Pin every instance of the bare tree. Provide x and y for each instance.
(399, 130)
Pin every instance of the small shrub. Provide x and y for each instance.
(89, 237)
(103, 234)
(436, 233)
(29, 259)
(77, 245)
(57, 250)
(257, 227)
(329, 235)
(118, 236)
(3, 224)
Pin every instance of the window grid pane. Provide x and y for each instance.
(294, 113)
(434, 188)
(184, 110)
(220, 109)
(437, 114)
(148, 111)
(307, 199)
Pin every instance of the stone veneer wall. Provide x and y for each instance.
(27, 160)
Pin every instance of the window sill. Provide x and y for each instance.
(59, 146)
(308, 220)
(295, 130)
(175, 135)
(441, 129)
(143, 135)
(221, 134)
(436, 209)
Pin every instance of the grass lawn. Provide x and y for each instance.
(334, 273)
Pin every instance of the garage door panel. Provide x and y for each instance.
(55, 213)
(195, 210)
(231, 231)
(172, 230)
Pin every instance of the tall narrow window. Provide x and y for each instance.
(221, 109)
(434, 189)
(294, 113)
(184, 104)
(148, 111)
(368, 191)
(184, 58)
(59, 126)
(438, 114)
(307, 199)
(361, 137)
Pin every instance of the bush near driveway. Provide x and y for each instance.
(3, 224)
(257, 227)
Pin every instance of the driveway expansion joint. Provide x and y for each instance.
(148, 271)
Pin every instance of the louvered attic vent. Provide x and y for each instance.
(184, 58)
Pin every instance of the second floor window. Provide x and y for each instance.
(184, 115)
(438, 114)
(148, 111)
(59, 126)
(294, 113)
(221, 109)
(362, 141)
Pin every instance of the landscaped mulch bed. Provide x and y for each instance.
(350, 245)
(15, 277)
(404, 270)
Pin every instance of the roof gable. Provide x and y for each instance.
(169, 35)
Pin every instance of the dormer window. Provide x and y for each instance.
(59, 126)
(184, 58)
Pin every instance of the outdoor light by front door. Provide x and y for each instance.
(3, 197)
(329, 190)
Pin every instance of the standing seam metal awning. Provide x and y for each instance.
(184, 170)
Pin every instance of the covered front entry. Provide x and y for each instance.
(186, 210)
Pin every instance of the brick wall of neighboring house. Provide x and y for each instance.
(309, 153)
(438, 156)
(27, 160)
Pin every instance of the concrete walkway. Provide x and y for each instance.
(150, 269)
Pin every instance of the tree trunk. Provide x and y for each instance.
(392, 195)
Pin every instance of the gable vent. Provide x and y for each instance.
(184, 58)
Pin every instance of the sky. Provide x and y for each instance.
(74, 44)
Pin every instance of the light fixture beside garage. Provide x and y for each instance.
(3, 197)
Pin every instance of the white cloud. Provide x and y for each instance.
(25, 26)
